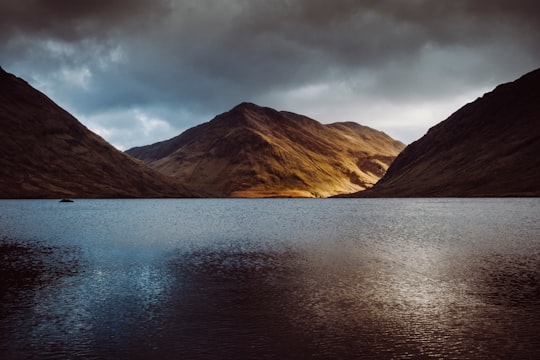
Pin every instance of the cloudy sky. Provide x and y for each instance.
(140, 71)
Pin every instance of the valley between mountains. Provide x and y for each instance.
(489, 147)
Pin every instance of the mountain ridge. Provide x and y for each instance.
(254, 151)
(489, 147)
(46, 153)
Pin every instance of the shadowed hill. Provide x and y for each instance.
(253, 151)
(490, 147)
(46, 153)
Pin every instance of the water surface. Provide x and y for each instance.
(277, 278)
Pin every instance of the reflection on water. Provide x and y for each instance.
(244, 279)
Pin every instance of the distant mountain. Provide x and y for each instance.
(253, 151)
(46, 153)
(490, 147)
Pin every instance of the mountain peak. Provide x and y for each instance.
(255, 151)
(246, 114)
(246, 106)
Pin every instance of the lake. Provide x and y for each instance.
(270, 278)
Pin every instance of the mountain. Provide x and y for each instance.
(253, 151)
(490, 147)
(46, 153)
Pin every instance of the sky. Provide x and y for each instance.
(140, 71)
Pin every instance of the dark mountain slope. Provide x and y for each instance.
(490, 147)
(45, 153)
(254, 151)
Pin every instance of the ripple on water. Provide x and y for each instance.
(214, 279)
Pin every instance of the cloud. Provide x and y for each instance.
(183, 61)
(127, 126)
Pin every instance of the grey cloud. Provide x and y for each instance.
(73, 20)
(198, 58)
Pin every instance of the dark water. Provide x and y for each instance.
(270, 279)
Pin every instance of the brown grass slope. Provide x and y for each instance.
(490, 147)
(46, 153)
(254, 151)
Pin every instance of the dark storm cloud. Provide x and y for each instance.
(70, 20)
(183, 61)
